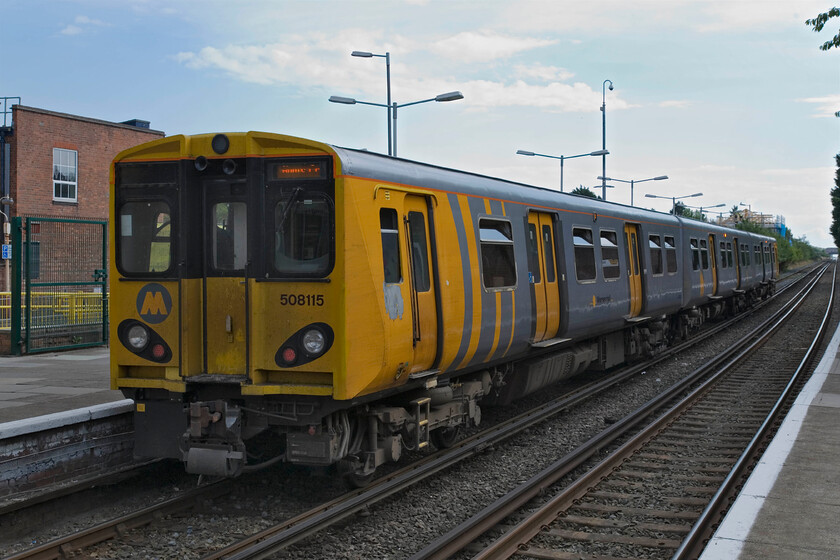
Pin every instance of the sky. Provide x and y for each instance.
(732, 99)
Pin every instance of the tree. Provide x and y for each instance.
(819, 22)
(735, 214)
(835, 205)
(584, 191)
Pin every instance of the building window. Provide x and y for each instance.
(584, 254)
(497, 261)
(65, 174)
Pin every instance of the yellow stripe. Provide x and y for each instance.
(469, 229)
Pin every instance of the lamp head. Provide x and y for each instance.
(524, 153)
(362, 54)
(451, 96)
(343, 100)
(610, 86)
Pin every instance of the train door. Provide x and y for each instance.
(737, 262)
(421, 283)
(634, 272)
(713, 264)
(543, 276)
(225, 282)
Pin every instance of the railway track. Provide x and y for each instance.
(660, 494)
(311, 522)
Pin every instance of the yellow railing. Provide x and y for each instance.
(54, 309)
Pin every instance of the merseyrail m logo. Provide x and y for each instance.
(154, 303)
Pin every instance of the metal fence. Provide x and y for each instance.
(59, 296)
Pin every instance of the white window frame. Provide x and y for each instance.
(59, 185)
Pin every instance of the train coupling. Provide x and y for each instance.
(212, 444)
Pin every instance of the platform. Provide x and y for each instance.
(790, 506)
(39, 384)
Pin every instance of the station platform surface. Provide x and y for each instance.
(39, 384)
(790, 506)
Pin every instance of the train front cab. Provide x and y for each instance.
(226, 291)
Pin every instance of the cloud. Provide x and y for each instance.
(321, 61)
(82, 24)
(541, 72)
(827, 106)
(483, 46)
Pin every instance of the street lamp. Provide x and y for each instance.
(674, 199)
(701, 208)
(387, 57)
(604, 136)
(633, 182)
(442, 98)
(562, 158)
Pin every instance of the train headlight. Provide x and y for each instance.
(314, 342)
(138, 337)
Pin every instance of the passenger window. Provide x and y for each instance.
(145, 237)
(548, 253)
(704, 254)
(767, 254)
(419, 253)
(695, 255)
(609, 255)
(757, 254)
(498, 264)
(230, 236)
(584, 254)
(655, 255)
(670, 254)
(729, 258)
(389, 230)
(722, 254)
(533, 254)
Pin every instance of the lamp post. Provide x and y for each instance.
(673, 199)
(443, 97)
(562, 158)
(604, 136)
(6, 201)
(633, 182)
(387, 57)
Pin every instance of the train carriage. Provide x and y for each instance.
(279, 299)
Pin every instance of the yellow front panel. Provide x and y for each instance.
(225, 325)
(154, 304)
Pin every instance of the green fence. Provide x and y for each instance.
(59, 296)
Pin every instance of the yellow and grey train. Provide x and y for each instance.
(280, 299)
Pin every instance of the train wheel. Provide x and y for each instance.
(443, 438)
(355, 480)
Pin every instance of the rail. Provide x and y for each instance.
(55, 309)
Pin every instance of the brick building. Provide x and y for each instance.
(56, 165)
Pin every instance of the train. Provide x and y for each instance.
(278, 299)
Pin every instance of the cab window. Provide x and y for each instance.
(303, 234)
(145, 239)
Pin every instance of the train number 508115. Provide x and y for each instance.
(302, 299)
